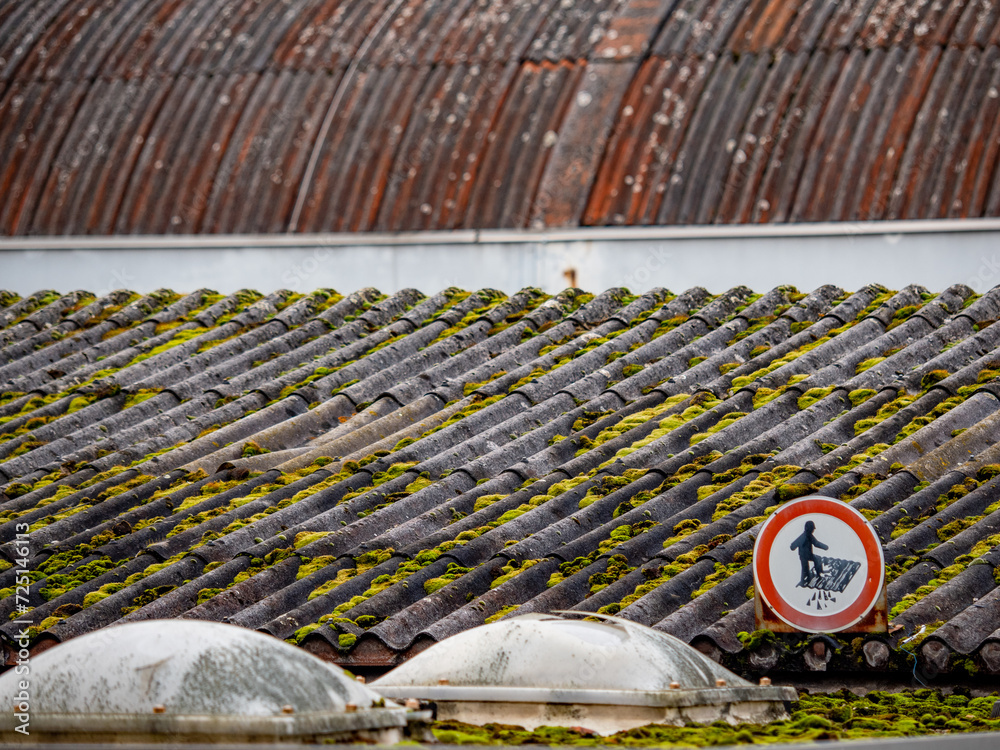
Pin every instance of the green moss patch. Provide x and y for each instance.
(609, 484)
(745, 380)
(840, 716)
(617, 567)
(251, 448)
(900, 402)
(628, 423)
(722, 424)
(761, 484)
(699, 405)
(943, 576)
(452, 572)
(178, 338)
(510, 570)
(860, 395)
(472, 408)
(918, 422)
(813, 395)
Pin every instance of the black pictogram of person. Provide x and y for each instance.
(805, 544)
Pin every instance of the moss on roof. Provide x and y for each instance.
(600, 445)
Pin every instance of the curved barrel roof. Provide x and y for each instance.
(235, 116)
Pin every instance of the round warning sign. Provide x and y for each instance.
(817, 563)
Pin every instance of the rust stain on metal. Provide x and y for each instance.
(876, 621)
(185, 116)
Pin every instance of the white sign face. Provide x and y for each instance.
(829, 581)
(818, 564)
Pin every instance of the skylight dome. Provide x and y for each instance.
(195, 681)
(611, 675)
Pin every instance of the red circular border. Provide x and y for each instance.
(869, 540)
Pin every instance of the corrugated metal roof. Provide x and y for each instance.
(367, 475)
(246, 116)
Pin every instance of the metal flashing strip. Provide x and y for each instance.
(716, 257)
(502, 236)
(655, 698)
(285, 726)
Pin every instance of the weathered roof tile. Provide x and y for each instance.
(619, 460)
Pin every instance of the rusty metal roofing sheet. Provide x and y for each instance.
(404, 114)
